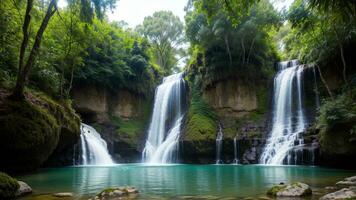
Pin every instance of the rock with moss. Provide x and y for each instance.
(8, 186)
(127, 192)
(290, 190)
(32, 129)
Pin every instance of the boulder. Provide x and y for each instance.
(23, 189)
(345, 193)
(290, 190)
(119, 192)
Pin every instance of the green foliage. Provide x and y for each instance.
(165, 31)
(246, 50)
(317, 36)
(234, 10)
(116, 59)
(337, 119)
(8, 186)
(75, 52)
(342, 109)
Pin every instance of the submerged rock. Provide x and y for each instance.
(23, 189)
(63, 194)
(290, 190)
(345, 193)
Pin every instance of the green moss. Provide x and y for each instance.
(200, 127)
(262, 101)
(107, 190)
(8, 186)
(29, 135)
(32, 129)
(131, 129)
(201, 120)
(230, 132)
(275, 189)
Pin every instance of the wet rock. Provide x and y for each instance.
(249, 155)
(352, 179)
(117, 193)
(330, 188)
(63, 194)
(345, 193)
(290, 190)
(342, 184)
(24, 189)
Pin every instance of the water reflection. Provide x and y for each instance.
(176, 180)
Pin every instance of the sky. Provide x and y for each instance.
(134, 11)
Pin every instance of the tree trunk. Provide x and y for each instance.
(324, 82)
(70, 82)
(17, 94)
(339, 43)
(249, 52)
(244, 51)
(228, 49)
(22, 77)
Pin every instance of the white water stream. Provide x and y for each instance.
(288, 115)
(164, 131)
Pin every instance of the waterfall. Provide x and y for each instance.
(93, 148)
(236, 151)
(219, 140)
(288, 115)
(164, 131)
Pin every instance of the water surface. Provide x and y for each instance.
(171, 181)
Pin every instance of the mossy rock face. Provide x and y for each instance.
(32, 129)
(29, 135)
(8, 186)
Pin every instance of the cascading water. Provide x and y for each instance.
(93, 148)
(219, 141)
(236, 151)
(164, 131)
(288, 115)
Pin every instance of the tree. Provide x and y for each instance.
(322, 34)
(233, 9)
(25, 66)
(228, 49)
(165, 31)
